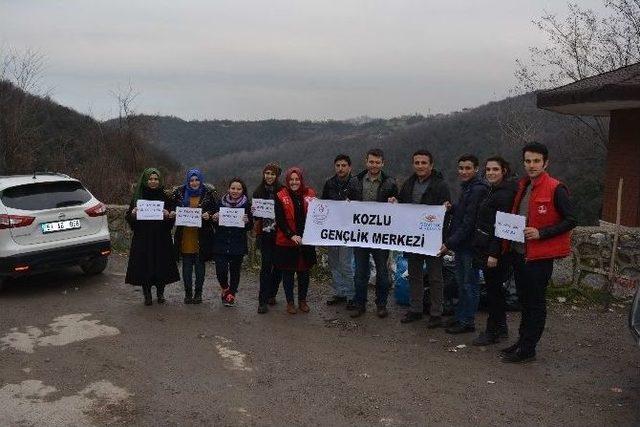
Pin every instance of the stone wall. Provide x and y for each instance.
(118, 227)
(590, 257)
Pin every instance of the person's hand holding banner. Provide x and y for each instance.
(395, 226)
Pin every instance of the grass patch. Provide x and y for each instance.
(580, 296)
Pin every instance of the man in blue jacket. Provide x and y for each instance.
(459, 240)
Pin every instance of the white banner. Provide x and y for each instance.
(263, 208)
(231, 217)
(149, 210)
(189, 217)
(395, 226)
(510, 226)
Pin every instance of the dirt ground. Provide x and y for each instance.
(78, 350)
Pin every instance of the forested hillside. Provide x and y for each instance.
(37, 134)
(225, 149)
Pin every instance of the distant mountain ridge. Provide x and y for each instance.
(224, 149)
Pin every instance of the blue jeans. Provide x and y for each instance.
(468, 288)
(189, 261)
(363, 270)
(340, 260)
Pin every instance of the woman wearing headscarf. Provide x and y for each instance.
(152, 261)
(192, 244)
(265, 230)
(292, 257)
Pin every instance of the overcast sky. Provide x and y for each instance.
(235, 59)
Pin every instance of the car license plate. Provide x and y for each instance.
(52, 227)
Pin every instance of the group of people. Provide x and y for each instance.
(469, 233)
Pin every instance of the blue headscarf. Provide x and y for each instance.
(190, 192)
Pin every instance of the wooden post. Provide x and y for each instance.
(614, 249)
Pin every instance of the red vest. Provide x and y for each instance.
(289, 213)
(543, 213)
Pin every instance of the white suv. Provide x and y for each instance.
(49, 221)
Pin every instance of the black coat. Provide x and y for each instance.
(232, 240)
(387, 189)
(463, 214)
(335, 189)
(498, 198)
(152, 260)
(436, 194)
(205, 234)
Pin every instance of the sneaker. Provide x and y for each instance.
(263, 308)
(188, 300)
(381, 311)
(335, 300)
(350, 305)
(197, 299)
(229, 300)
(517, 357)
(411, 316)
(223, 293)
(460, 329)
(434, 322)
(272, 301)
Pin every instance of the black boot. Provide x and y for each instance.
(188, 295)
(146, 291)
(197, 298)
(160, 294)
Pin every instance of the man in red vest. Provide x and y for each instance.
(545, 202)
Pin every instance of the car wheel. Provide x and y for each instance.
(94, 265)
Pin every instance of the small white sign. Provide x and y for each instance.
(231, 217)
(263, 208)
(510, 226)
(149, 210)
(189, 217)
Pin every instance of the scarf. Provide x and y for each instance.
(142, 189)
(190, 192)
(228, 202)
(302, 189)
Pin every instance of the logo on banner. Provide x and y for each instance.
(429, 222)
(320, 213)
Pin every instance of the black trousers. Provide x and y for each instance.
(270, 276)
(496, 297)
(228, 271)
(531, 279)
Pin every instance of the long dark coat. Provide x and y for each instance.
(152, 260)
(232, 240)
(205, 234)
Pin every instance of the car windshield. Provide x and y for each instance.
(45, 195)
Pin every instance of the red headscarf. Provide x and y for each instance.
(297, 170)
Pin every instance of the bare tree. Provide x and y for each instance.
(24, 71)
(579, 45)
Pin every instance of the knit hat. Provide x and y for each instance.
(273, 167)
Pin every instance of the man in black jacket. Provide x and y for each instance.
(374, 186)
(460, 239)
(341, 186)
(426, 186)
